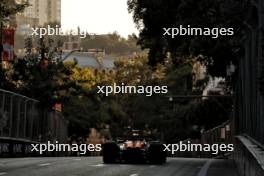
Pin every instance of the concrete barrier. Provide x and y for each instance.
(249, 156)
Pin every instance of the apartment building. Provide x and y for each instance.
(28, 18)
(49, 11)
(39, 13)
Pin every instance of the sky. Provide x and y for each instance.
(98, 16)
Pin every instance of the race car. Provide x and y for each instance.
(134, 149)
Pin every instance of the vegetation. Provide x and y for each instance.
(7, 9)
(152, 16)
(43, 76)
(49, 80)
(40, 71)
(113, 44)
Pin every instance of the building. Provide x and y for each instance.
(49, 11)
(39, 13)
(72, 42)
(28, 18)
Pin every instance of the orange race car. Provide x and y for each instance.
(134, 149)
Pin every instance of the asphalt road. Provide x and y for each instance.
(93, 166)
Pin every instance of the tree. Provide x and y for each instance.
(171, 120)
(7, 9)
(43, 75)
(113, 44)
(152, 16)
(87, 109)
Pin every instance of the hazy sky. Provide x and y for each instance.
(97, 16)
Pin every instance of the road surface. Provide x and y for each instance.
(93, 166)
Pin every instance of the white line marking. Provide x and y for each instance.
(44, 164)
(152, 166)
(78, 159)
(204, 169)
(134, 175)
(98, 165)
(3, 173)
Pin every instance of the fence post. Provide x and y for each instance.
(11, 116)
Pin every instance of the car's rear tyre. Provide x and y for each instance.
(110, 152)
(156, 154)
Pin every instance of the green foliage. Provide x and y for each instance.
(139, 110)
(152, 16)
(42, 75)
(212, 112)
(182, 75)
(3, 80)
(113, 43)
(172, 121)
(87, 109)
(8, 8)
(76, 88)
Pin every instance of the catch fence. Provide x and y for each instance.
(23, 122)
